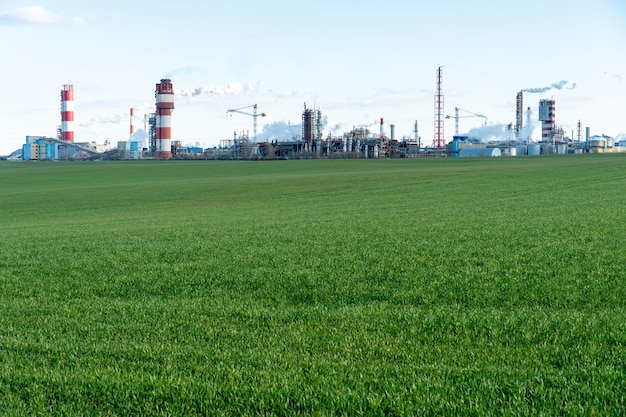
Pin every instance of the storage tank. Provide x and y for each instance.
(521, 150)
(534, 149)
(547, 149)
(561, 148)
(478, 152)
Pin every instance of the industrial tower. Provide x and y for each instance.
(547, 109)
(132, 124)
(67, 113)
(457, 117)
(439, 141)
(254, 115)
(164, 106)
(519, 109)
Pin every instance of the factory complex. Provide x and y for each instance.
(156, 140)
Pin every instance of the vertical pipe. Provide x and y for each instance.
(519, 108)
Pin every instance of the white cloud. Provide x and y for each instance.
(29, 15)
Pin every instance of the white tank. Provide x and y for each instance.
(477, 152)
(534, 149)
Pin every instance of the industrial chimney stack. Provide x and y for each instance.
(132, 124)
(67, 113)
(164, 106)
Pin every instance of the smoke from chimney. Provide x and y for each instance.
(231, 89)
(558, 85)
(117, 119)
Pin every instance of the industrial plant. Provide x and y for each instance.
(157, 140)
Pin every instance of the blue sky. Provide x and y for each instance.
(354, 61)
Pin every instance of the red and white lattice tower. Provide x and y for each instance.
(439, 141)
(132, 124)
(547, 110)
(164, 106)
(67, 113)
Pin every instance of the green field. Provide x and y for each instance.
(322, 287)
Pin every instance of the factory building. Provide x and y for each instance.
(38, 148)
(156, 139)
(63, 147)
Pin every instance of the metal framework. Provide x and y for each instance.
(519, 109)
(254, 115)
(438, 141)
(457, 117)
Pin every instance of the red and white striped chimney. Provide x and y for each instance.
(67, 113)
(132, 125)
(164, 106)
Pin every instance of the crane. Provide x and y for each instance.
(254, 114)
(456, 118)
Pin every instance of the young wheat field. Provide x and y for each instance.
(316, 287)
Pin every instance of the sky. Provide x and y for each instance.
(356, 62)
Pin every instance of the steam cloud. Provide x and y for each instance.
(102, 120)
(282, 131)
(558, 85)
(231, 89)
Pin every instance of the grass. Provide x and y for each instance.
(344, 287)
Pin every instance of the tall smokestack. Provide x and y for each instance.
(519, 109)
(132, 126)
(164, 106)
(67, 113)
(528, 125)
(382, 122)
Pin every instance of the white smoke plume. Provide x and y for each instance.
(117, 119)
(502, 132)
(282, 131)
(144, 108)
(337, 128)
(558, 85)
(230, 90)
(178, 71)
(489, 133)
